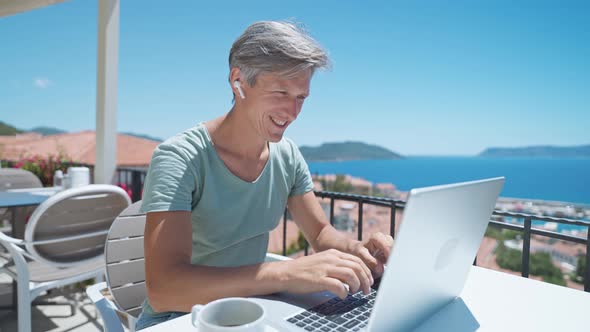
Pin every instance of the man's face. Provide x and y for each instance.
(274, 102)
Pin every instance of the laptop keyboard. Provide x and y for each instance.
(350, 314)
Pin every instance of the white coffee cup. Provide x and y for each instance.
(230, 314)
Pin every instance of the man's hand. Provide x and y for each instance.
(374, 251)
(327, 270)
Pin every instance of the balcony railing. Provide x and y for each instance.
(134, 178)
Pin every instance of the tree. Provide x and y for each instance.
(494, 233)
(297, 245)
(508, 258)
(542, 265)
(581, 269)
(341, 185)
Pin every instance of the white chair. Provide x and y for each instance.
(125, 272)
(16, 178)
(63, 243)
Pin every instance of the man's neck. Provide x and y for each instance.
(235, 136)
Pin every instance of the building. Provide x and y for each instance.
(79, 147)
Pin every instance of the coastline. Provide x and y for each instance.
(534, 207)
(554, 181)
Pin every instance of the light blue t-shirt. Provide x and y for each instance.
(231, 218)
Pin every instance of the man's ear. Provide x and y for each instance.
(238, 86)
(235, 83)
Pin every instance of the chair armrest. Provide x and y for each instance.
(270, 257)
(111, 321)
(9, 239)
(94, 291)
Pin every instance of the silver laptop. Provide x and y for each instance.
(433, 252)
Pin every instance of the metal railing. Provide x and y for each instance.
(133, 179)
(527, 229)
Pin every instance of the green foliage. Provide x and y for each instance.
(8, 130)
(555, 279)
(510, 234)
(45, 166)
(508, 258)
(297, 245)
(580, 269)
(540, 264)
(494, 233)
(501, 234)
(341, 185)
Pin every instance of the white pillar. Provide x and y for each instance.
(106, 91)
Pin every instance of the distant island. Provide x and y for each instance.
(346, 151)
(45, 131)
(9, 130)
(148, 137)
(538, 151)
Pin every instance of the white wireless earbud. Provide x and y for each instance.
(238, 86)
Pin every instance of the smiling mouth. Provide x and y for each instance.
(278, 122)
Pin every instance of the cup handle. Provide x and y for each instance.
(195, 310)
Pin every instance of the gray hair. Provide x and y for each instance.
(271, 46)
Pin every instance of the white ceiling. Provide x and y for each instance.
(11, 7)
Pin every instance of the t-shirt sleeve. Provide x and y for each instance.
(170, 182)
(303, 182)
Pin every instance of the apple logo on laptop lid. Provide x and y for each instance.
(445, 254)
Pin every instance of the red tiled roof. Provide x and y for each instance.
(80, 147)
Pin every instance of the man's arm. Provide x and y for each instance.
(310, 218)
(173, 284)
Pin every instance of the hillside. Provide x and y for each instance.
(539, 151)
(151, 138)
(47, 131)
(6, 129)
(346, 151)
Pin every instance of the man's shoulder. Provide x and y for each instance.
(192, 140)
(286, 146)
(288, 152)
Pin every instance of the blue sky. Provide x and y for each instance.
(418, 77)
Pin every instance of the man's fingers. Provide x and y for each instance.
(369, 259)
(360, 268)
(382, 244)
(348, 276)
(361, 263)
(335, 286)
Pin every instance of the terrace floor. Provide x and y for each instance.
(52, 318)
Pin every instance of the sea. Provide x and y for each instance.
(549, 179)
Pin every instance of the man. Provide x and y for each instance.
(215, 191)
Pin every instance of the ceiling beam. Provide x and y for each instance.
(12, 7)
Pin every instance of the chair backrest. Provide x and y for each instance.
(16, 178)
(70, 227)
(125, 264)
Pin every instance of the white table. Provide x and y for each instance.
(490, 301)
